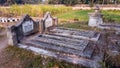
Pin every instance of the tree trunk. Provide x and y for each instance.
(103, 1)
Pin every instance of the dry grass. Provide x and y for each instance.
(21, 58)
(34, 10)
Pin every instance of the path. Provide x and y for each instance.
(3, 45)
(3, 40)
(89, 8)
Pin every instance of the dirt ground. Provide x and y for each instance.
(3, 40)
(3, 45)
(105, 7)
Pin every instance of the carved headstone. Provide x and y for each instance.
(28, 26)
(25, 27)
(95, 18)
(48, 22)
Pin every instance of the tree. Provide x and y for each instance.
(70, 2)
(54, 1)
(91, 3)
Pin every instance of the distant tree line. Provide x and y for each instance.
(66, 2)
(73, 2)
(10, 2)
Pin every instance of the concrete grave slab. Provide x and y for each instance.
(69, 58)
(88, 35)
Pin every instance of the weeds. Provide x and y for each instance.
(26, 59)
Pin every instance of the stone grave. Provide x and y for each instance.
(64, 48)
(25, 27)
(95, 18)
(66, 44)
(48, 24)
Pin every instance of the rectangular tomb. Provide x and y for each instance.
(62, 44)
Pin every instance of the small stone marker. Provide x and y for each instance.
(25, 27)
(95, 18)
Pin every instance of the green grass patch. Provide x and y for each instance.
(82, 15)
(111, 16)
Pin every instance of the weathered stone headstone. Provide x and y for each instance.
(48, 22)
(25, 27)
(95, 18)
(28, 25)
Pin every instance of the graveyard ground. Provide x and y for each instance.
(20, 58)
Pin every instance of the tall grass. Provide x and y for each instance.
(35, 10)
